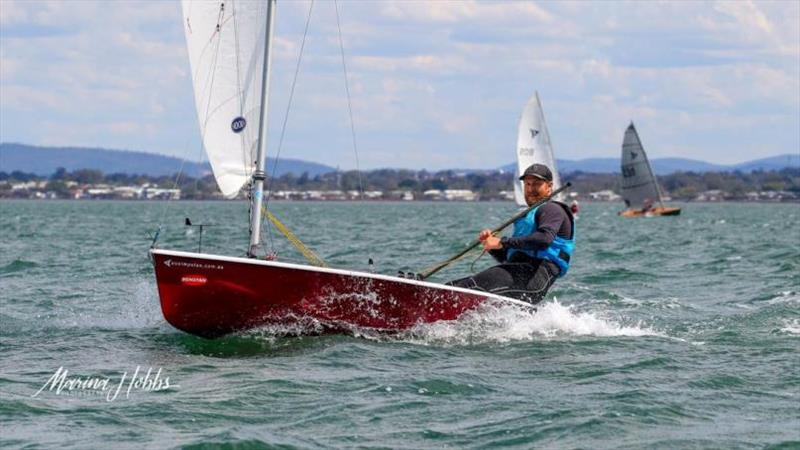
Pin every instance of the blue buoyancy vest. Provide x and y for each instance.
(559, 251)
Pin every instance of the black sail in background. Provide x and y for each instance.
(639, 188)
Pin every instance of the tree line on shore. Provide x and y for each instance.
(488, 184)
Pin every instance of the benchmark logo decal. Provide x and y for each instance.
(238, 124)
(61, 383)
(170, 263)
(194, 280)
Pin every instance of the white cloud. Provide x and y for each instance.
(9, 67)
(748, 18)
(28, 99)
(431, 64)
(11, 12)
(130, 127)
(454, 11)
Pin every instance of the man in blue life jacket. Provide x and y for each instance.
(538, 252)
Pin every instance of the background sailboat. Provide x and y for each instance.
(533, 146)
(640, 189)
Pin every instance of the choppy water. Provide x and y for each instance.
(668, 333)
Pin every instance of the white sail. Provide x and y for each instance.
(226, 42)
(533, 146)
(639, 188)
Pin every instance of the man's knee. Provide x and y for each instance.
(467, 283)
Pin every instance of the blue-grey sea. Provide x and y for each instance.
(671, 332)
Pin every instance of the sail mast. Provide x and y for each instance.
(650, 169)
(550, 157)
(259, 175)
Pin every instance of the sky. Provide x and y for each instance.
(434, 84)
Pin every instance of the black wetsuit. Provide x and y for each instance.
(524, 277)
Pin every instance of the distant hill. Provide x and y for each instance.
(666, 166)
(774, 163)
(44, 161)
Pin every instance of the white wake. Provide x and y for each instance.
(505, 323)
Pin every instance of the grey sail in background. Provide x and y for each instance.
(639, 188)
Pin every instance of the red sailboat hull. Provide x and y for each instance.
(210, 296)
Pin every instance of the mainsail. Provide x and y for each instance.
(639, 188)
(533, 146)
(226, 51)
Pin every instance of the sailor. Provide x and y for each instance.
(539, 250)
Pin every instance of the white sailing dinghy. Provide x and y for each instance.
(209, 295)
(640, 189)
(533, 146)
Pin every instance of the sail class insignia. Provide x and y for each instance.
(238, 124)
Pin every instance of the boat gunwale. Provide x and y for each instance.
(258, 262)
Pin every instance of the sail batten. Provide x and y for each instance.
(533, 146)
(639, 187)
(225, 41)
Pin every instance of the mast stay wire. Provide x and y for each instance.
(283, 132)
(349, 101)
(242, 141)
(178, 176)
(350, 110)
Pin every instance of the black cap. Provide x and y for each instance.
(539, 171)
